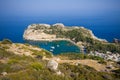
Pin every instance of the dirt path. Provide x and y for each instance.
(92, 63)
(88, 62)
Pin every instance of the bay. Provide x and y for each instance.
(56, 47)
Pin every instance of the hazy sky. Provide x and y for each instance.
(101, 16)
(59, 7)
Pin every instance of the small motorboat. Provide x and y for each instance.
(58, 45)
(52, 47)
(51, 50)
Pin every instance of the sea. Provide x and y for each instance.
(56, 47)
(13, 29)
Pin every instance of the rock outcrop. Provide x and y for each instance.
(4, 73)
(52, 65)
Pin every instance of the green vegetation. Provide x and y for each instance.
(78, 56)
(103, 47)
(21, 67)
(84, 36)
(117, 71)
(37, 66)
(80, 35)
(25, 68)
(4, 54)
(75, 34)
(41, 53)
(27, 44)
(29, 68)
(92, 45)
(5, 47)
(81, 72)
(13, 61)
(6, 41)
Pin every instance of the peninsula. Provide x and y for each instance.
(46, 32)
(80, 36)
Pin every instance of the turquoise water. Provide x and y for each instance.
(56, 47)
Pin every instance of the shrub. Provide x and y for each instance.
(47, 53)
(6, 41)
(74, 56)
(102, 62)
(13, 61)
(41, 53)
(5, 47)
(4, 54)
(37, 66)
(117, 71)
(95, 58)
(27, 44)
(103, 47)
(81, 72)
(5, 78)
(17, 67)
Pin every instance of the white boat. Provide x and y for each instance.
(58, 45)
(51, 50)
(52, 47)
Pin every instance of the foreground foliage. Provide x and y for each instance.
(79, 56)
(28, 68)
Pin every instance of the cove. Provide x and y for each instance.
(56, 47)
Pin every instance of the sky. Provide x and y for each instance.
(80, 8)
(97, 15)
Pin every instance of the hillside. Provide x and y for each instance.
(27, 62)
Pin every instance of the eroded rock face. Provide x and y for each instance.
(52, 65)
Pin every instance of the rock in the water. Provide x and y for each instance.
(52, 65)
